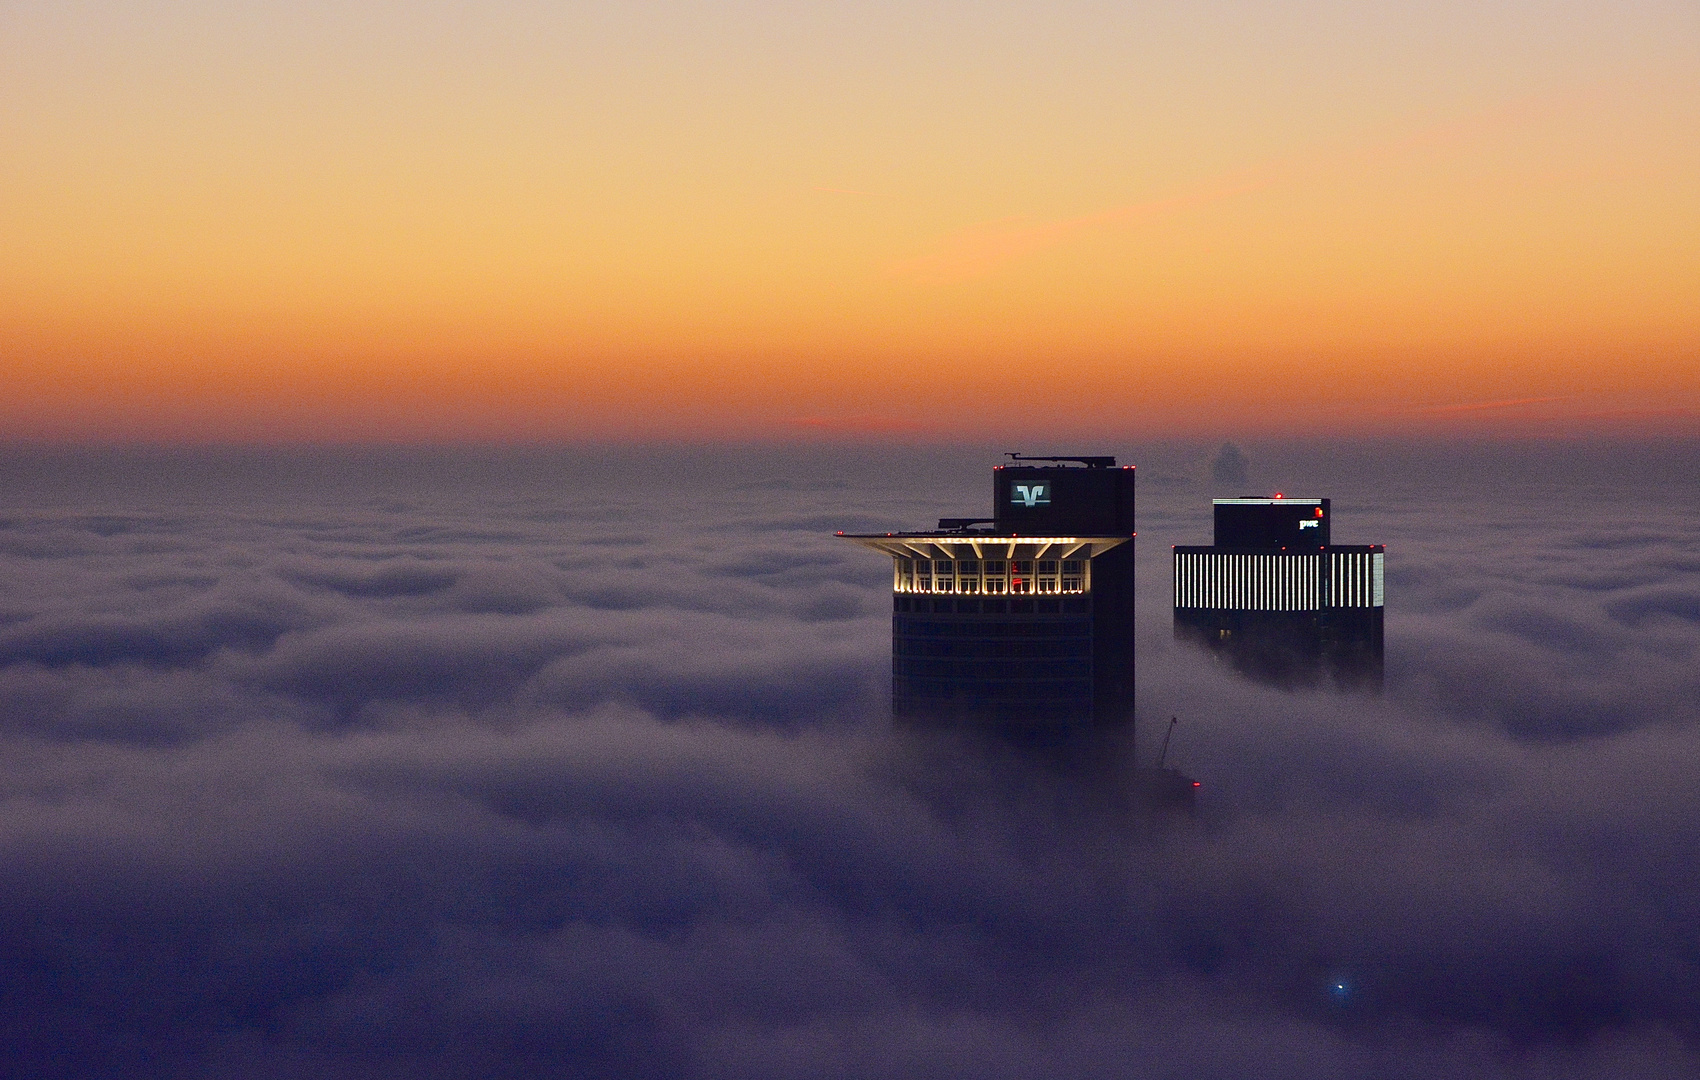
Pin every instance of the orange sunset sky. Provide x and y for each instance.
(262, 221)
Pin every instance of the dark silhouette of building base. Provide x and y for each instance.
(1292, 650)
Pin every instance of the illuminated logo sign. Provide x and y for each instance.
(1030, 495)
(1309, 524)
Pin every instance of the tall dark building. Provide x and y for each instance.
(1279, 599)
(1025, 617)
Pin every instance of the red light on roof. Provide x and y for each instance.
(1278, 495)
(1319, 511)
(1197, 783)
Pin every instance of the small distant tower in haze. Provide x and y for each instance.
(1277, 598)
(1025, 617)
(1229, 469)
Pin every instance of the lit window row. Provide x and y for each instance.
(993, 576)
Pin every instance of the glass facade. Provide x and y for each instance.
(1022, 666)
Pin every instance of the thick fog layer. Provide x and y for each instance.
(518, 764)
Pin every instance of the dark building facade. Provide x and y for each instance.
(1025, 617)
(1279, 599)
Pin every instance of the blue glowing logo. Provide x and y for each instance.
(1030, 495)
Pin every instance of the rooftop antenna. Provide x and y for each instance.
(1164, 756)
(1089, 462)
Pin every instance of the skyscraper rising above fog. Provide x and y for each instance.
(1279, 600)
(1025, 617)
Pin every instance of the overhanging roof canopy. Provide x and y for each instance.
(956, 545)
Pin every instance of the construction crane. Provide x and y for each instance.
(1164, 756)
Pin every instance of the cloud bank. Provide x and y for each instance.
(500, 764)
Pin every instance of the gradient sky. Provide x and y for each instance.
(522, 220)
